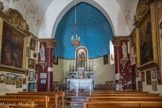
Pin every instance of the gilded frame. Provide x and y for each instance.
(31, 64)
(4, 67)
(19, 80)
(155, 61)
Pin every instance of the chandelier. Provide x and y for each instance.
(75, 39)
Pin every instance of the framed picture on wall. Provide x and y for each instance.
(148, 77)
(147, 39)
(31, 87)
(11, 48)
(32, 44)
(36, 66)
(153, 74)
(154, 85)
(26, 72)
(2, 78)
(142, 76)
(31, 63)
(27, 52)
(105, 59)
(159, 18)
(31, 76)
(24, 80)
(18, 81)
(55, 60)
(10, 78)
(140, 86)
(158, 76)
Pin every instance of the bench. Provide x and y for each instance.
(119, 98)
(17, 103)
(124, 104)
(124, 94)
(118, 92)
(60, 95)
(39, 100)
(51, 101)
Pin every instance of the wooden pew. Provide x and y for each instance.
(124, 104)
(124, 94)
(17, 103)
(119, 98)
(60, 95)
(50, 94)
(52, 100)
(39, 100)
(117, 92)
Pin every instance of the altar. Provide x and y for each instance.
(80, 74)
(76, 84)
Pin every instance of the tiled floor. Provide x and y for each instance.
(74, 106)
(75, 102)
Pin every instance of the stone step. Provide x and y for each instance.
(75, 102)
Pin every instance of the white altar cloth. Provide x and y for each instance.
(76, 84)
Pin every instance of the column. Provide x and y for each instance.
(45, 66)
(123, 77)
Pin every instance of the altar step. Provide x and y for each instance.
(81, 92)
(75, 102)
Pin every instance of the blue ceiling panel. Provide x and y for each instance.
(94, 31)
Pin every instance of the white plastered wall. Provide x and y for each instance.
(103, 72)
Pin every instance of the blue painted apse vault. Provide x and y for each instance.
(94, 31)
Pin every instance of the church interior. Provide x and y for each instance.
(81, 53)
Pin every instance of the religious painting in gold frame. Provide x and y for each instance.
(12, 48)
(147, 40)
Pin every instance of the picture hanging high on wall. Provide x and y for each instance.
(31, 76)
(159, 23)
(27, 52)
(12, 47)
(147, 40)
(55, 60)
(32, 44)
(31, 63)
(105, 59)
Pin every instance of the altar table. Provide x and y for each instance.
(76, 84)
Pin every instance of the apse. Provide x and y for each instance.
(93, 28)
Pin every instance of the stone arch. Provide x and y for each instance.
(111, 11)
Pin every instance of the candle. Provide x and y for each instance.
(38, 46)
(72, 38)
(128, 47)
(76, 37)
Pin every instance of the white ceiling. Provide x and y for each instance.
(129, 9)
(34, 11)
